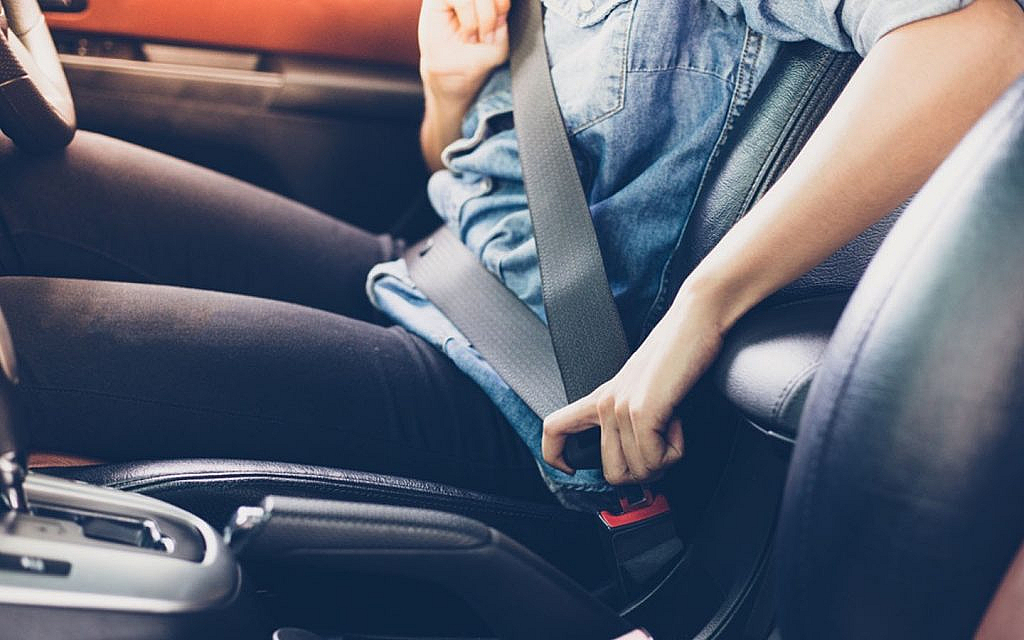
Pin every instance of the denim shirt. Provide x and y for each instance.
(648, 90)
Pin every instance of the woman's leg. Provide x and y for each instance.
(129, 371)
(109, 210)
(132, 371)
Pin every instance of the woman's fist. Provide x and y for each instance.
(640, 437)
(461, 42)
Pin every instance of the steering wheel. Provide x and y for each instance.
(36, 109)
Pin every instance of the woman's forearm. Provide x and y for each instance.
(442, 125)
(914, 97)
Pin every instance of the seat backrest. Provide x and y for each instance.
(796, 93)
(904, 504)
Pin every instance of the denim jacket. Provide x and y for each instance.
(648, 90)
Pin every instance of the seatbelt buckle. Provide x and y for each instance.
(635, 509)
(640, 540)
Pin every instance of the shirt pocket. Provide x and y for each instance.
(588, 40)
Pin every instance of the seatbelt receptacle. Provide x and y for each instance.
(641, 541)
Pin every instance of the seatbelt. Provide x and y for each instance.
(583, 344)
(505, 331)
(586, 331)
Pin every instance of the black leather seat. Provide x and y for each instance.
(904, 504)
(793, 98)
(213, 489)
(770, 359)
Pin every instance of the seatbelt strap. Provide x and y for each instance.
(586, 330)
(505, 331)
(585, 340)
(584, 344)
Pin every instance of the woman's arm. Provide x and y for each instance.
(461, 42)
(914, 97)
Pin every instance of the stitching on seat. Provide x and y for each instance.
(782, 140)
(449, 534)
(421, 496)
(787, 392)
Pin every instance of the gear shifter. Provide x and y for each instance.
(13, 459)
(83, 561)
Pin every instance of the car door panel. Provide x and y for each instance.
(239, 90)
(372, 30)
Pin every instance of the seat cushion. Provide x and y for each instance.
(214, 488)
(769, 360)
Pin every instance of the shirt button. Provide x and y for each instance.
(586, 5)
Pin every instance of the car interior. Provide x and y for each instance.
(853, 457)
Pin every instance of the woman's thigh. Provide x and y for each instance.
(129, 371)
(108, 210)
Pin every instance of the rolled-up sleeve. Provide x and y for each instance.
(845, 25)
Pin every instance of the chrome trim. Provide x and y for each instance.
(244, 521)
(200, 56)
(12, 482)
(113, 578)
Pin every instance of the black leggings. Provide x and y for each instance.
(162, 310)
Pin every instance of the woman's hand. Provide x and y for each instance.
(461, 42)
(639, 436)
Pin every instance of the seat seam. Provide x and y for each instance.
(795, 382)
(472, 504)
(384, 526)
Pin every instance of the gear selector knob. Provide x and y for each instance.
(13, 458)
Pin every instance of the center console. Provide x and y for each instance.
(88, 562)
(80, 561)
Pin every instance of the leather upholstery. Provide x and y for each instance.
(515, 592)
(769, 360)
(212, 489)
(903, 504)
(795, 95)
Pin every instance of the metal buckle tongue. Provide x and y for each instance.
(641, 540)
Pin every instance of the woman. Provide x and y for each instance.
(647, 89)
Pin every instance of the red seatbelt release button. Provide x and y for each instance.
(633, 512)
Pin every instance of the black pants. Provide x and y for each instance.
(161, 310)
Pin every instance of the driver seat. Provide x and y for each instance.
(903, 510)
(795, 95)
